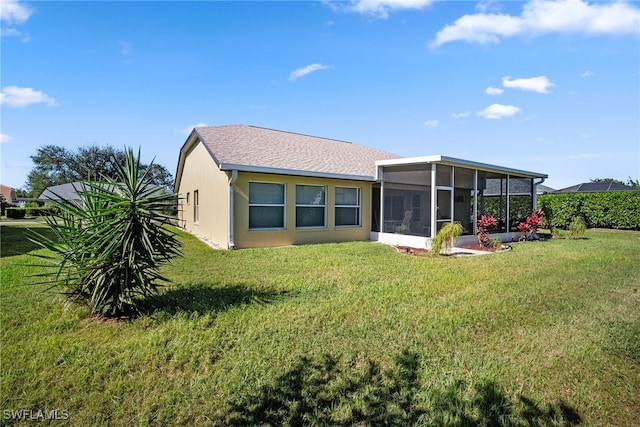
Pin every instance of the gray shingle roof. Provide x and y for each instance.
(245, 147)
(63, 191)
(597, 187)
(70, 191)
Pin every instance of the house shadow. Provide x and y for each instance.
(14, 239)
(324, 392)
(204, 299)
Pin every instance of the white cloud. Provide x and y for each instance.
(301, 72)
(488, 6)
(539, 84)
(584, 156)
(431, 123)
(498, 111)
(461, 115)
(4, 138)
(12, 32)
(126, 48)
(13, 12)
(187, 130)
(14, 96)
(494, 91)
(587, 74)
(379, 8)
(543, 17)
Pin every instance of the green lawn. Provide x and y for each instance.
(340, 334)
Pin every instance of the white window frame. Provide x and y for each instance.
(358, 207)
(196, 206)
(311, 227)
(283, 205)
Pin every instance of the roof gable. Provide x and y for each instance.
(252, 148)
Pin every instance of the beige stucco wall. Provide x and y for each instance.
(245, 238)
(202, 174)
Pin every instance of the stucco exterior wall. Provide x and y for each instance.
(290, 235)
(201, 174)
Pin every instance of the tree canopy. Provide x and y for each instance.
(55, 165)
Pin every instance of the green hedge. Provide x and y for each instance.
(41, 211)
(619, 210)
(16, 213)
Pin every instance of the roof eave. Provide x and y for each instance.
(293, 172)
(452, 161)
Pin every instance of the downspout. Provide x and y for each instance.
(232, 181)
(381, 178)
(508, 212)
(434, 207)
(535, 192)
(475, 203)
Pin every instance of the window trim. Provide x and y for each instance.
(312, 227)
(358, 206)
(283, 205)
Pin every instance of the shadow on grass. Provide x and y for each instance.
(204, 299)
(324, 393)
(14, 241)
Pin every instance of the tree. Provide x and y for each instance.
(635, 183)
(54, 165)
(109, 248)
(615, 181)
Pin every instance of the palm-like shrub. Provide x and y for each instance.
(111, 243)
(446, 236)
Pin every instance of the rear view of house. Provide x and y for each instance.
(244, 186)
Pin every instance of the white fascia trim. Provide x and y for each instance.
(452, 161)
(279, 171)
(409, 161)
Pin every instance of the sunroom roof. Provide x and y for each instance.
(452, 161)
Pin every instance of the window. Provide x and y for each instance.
(266, 205)
(415, 207)
(196, 207)
(188, 198)
(347, 206)
(393, 206)
(310, 206)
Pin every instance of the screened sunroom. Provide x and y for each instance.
(418, 196)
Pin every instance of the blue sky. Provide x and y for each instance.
(546, 86)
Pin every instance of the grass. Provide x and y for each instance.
(340, 334)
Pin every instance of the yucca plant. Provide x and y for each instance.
(112, 242)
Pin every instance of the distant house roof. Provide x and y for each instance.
(543, 189)
(67, 191)
(517, 187)
(8, 193)
(597, 187)
(255, 149)
(70, 191)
